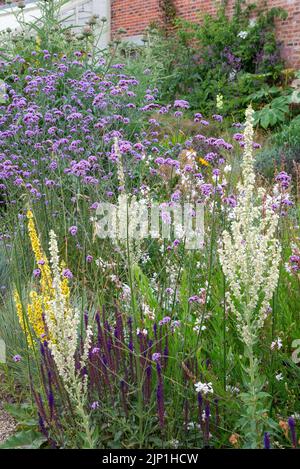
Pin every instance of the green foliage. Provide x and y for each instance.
(204, 344)
(282, 149)
(233, 56)
(274, 113)
(24, 439)
(27, 436)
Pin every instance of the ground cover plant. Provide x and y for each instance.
(142, 342)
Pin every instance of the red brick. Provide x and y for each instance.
(136, 15)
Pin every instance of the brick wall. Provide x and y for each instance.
(135, 16)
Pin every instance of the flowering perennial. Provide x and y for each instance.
(39, 305)
(250, 253)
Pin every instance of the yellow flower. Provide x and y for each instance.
(41, 259)
(21, 317)
(203, 161)
(35, 313)
(40, 302)
(38, 42)
(19, 309)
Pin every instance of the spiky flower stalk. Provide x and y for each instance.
(250, 256)
(62, 322)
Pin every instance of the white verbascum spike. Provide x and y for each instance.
(63, 322)
(250, 253)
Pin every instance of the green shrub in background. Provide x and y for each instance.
(233, 56)
(281, 150)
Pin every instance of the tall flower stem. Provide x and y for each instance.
(250, 258)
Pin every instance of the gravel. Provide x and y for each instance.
(7, 423)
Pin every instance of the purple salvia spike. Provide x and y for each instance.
(86, 319)
(42, 426)
(147, 384)
(207, 417)
(130, 346)
(160, 397)
(267, 444)
(124, 397)
(292, 425)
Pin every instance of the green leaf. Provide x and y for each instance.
(145, 287)
(25, 439)
(21, 413)
(265, 120)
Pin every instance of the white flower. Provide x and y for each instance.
(232, 389)
(279, 377)
(276, 344)
(227, 168)
(219, 103)
(232, 74)
(174, 443)
(62, 323)
(243, 34)
(205, 388)
(148, 312)
(144, 332)
(192, 425)
(250, 254)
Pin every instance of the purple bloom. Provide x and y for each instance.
(156, 357)
(178, 114)
(67, 273)
(284, 179)
(165, 320)
(160, 397)
(197, 117)
(238, 137)
(217, 117)
(267, 444)
(95, 405)
(36, 273)
(181, 104)
(73, 230)
(17, 358)
(194, 299)
(292, 425)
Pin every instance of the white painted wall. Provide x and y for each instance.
(8, 20)
(77, 13)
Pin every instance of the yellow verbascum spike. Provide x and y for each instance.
(21, 318)
(35, 314)
(40, 302)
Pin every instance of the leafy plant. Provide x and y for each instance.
(274, 113)
(234, 56)
(28, 435)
